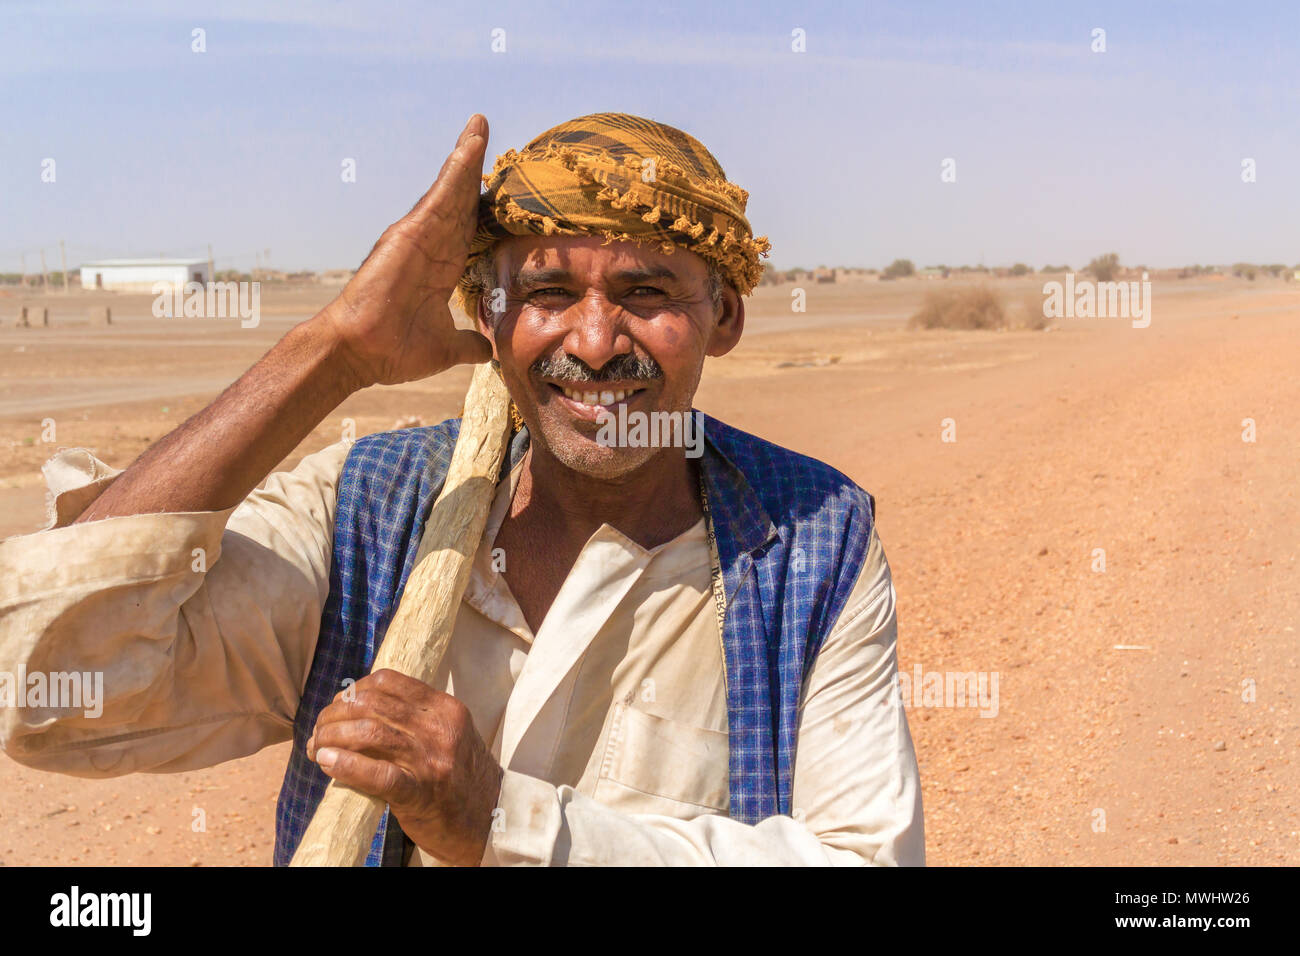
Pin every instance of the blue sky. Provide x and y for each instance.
(1061, 153)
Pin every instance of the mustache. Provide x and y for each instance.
(622, 368)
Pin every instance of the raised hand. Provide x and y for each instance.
(392, 321)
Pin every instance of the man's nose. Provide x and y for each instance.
(596, 331)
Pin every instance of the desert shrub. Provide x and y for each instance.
(899, 268)
(978, 307)
(1104, 268)
(1029, 315)
(1020, 269)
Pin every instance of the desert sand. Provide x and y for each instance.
(1120, 691)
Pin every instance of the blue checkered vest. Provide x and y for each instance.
(792, 535)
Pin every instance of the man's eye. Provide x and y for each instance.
(548, 293)
(644, 290)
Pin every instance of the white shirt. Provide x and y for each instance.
(610, 721)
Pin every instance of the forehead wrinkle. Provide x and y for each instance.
(642, 273)
(554, 274)
(530, 276)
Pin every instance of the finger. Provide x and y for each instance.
(386, 694)
(381, 779)
(396, 684)
(453, 197)
(367, 704)
(389, 683)
(469, 348)
(367, 736)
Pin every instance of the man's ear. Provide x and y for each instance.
(486, 323)
(730, 322)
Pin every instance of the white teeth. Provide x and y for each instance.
(598, 398)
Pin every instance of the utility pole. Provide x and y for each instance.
(63, 257)
(45, 278)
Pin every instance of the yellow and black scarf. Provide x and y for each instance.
(624, 178)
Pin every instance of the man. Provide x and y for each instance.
(660, 657)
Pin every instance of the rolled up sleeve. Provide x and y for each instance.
(196, 629)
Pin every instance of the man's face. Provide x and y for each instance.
(589, 326)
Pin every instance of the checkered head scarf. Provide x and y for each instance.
(624, 178)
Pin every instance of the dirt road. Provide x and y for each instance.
(1145, 712)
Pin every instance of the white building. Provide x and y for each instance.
(139, 275)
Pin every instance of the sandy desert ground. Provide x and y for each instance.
(1091, 435)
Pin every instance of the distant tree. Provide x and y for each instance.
(1054, 269)
(1104, 268)
(900, 268)
(1020, 269)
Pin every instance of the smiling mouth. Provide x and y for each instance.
(595, 398)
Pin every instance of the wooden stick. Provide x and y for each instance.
(341, 831)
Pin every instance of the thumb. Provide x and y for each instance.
(469, 348)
